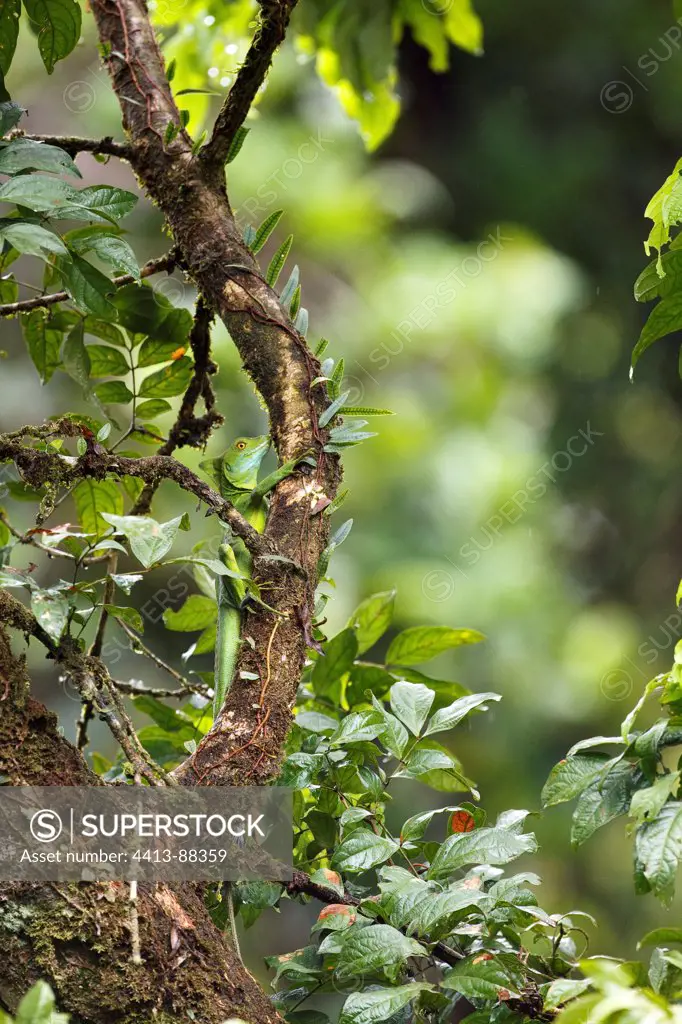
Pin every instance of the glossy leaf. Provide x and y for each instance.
(196, 613)
(449, 717)
(43, 342)
(421, 643)
(170, 381)
(379, 1005)
(26, 155)
(58, 23)
(379, 949)
(106, 361)
(339, 654)
(411, 703)
(149, 541)
(93, 498)
(482, 846)
(371, 619)
(362, 850)
(32, 239)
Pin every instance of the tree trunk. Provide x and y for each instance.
(78, 937)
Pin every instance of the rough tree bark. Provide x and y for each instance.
(78, 937)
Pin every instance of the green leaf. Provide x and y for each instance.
(126, 580)
(371, 619)
(152, 408)
(449, 717)
(43, 342)
(571, 776)
(39, 193)
(26, 155)
(171, 380)
(278, 260)
(663, 209)
(130, 616)
(106, 361)
(436, 768)
(411, 703)
(196, 613)
(32, 239)
(604, 799)
(437, 912)
(113, 392)
(51, 609)
(290, 296)
(58, 23)
(660, 937)
(315, 721)
(149, 540)
(339, 655)
(237, 143)
(365, 410)
(367, 677)
(141, 310)
(420, 643)
(169, 719)
(104, 330)
(331, 411)
(38, 1007)
(378, 949)
(394, 735)
(9, 32)
(99, 202)
(563, 990)
(107, 246)
(155, 350)
(651, 285)
(362, 850)
(10, 115)
(89, 288)
(300, 770)
(463, 26)
(265, 230)
(478, 978)
(491, 845)
(94, 497)
(358, 727)
(665, 318)
(647, 803)
(378, 1006)
(658, 848)
(75, 356)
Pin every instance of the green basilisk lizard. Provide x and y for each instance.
(235, 474)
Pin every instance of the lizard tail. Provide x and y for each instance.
(226, 647)
(229, 593)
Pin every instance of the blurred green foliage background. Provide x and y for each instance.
(494, 357)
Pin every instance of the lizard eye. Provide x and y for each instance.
(241, 445)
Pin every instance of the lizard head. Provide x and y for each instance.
(245, 454)
(240, 462)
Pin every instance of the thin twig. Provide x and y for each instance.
(189, 429)
(140, 648)
(274, 19)
(73, 144)
(166, 262)
(303, 883)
